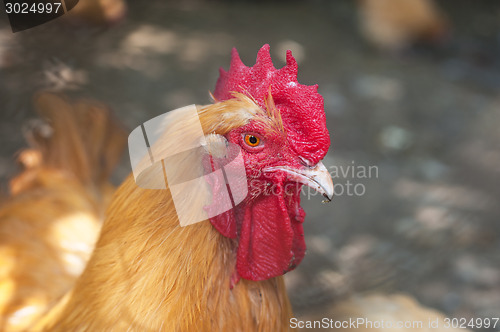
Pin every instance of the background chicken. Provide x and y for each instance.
(381, 312)
(97, 12)
(49, 224)
(394, 25)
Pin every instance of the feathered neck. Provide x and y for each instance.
(149, 274)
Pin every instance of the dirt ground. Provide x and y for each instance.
(425, 221)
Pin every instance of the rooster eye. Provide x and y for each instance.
(252, 140)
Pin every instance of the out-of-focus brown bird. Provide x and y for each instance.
(98, 12)
(394, 25)
(224, 273)
(49, 224)
(379, 313)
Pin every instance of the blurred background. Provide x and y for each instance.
(411, 90)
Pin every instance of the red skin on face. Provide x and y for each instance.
(268, 223)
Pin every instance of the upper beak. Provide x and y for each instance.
(316, 177)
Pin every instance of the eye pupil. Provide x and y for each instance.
(252, 139)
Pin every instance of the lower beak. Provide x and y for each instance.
(316, 177)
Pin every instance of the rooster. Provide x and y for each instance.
(49, 224)
(147, 273)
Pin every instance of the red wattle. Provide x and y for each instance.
(271, 243)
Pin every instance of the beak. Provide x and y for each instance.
(316, 177)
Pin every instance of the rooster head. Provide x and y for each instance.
(282, 146)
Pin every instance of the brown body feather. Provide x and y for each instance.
(148, 273)
(50, 223)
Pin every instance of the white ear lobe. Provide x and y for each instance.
(216, 145)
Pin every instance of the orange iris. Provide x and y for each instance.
(252, 140)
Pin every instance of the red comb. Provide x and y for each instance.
(301, 106)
